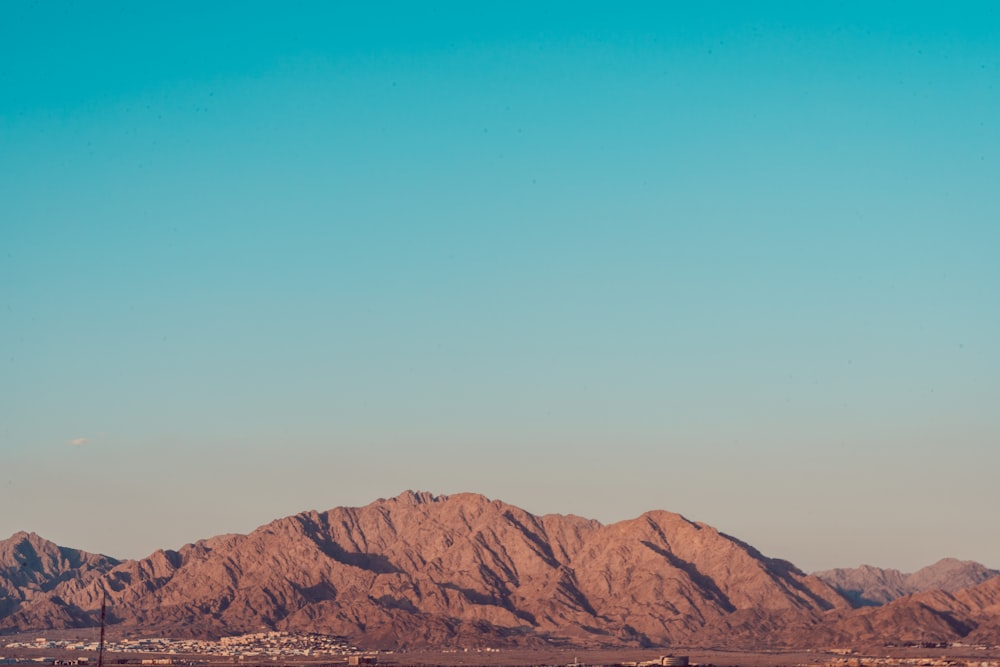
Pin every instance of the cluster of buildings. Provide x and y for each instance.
(662, 661)
(910, 662)
(285, 644)
(258, 644)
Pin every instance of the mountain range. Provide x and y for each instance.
(873, 586)
(420, 570)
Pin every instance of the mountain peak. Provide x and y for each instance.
(409, 497)
(25, 536)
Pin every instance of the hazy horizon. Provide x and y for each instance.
(736, 262)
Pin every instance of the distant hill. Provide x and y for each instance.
(971, 615)
(32, 568)
(871, 586)
(420, 570)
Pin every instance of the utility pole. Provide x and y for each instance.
(100, 646)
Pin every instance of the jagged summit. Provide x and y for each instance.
(422, 497)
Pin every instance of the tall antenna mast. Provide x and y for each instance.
(100, 646)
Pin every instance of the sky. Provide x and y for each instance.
(732, 260)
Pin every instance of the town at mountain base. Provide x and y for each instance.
(420, 570)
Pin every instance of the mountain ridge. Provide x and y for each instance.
(867, 585)
(420, 570)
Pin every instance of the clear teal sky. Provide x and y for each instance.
(735, 260)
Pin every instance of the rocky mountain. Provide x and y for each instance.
(950, 574)
(971, 615)
(464, 570)
(871, 586)
(421, 569)
(31, 568)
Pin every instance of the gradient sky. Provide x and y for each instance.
(733, 260)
